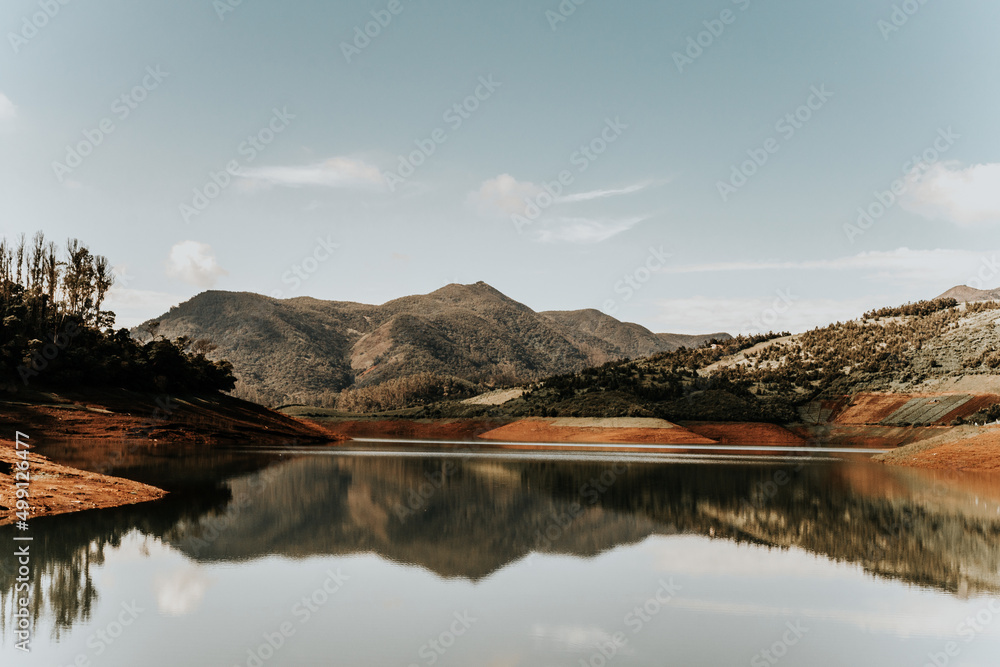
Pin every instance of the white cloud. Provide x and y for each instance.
(194, 263)
(966, 196)
(337, 172)
(7, 109)
(601, 194)
(582, 230)
(502, 196)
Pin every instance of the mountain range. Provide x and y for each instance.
(306, 350)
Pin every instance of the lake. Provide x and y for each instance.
(365, 556)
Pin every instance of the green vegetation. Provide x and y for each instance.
(55, 332)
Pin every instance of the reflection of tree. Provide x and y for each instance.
(65, 548)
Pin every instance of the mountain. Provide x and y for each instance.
(305, 349)
(964, 293)
(632, 340)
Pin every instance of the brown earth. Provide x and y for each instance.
(112, 417)
(538, 429)
(56, 489)
(746, 433)
(418, 429)
(966, 448)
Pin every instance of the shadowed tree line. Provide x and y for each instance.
(54, 331)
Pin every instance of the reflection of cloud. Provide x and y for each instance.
(965, 196)
(181, 592)
(571, 636)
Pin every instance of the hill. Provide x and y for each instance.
(964, 293)
(941, 354)
(307, 350)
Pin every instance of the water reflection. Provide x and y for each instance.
(470, 518)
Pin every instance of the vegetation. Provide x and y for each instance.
(56, 333)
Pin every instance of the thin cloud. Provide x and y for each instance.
(505, 196)
(602, 194)
(583, 230)
(903, 265)
(337, 172)
(964, 196)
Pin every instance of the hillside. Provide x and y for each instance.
(939, 359)
(307, 350)
(964, 293)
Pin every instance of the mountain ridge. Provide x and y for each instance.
(307, 350)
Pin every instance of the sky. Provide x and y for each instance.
(727, 165)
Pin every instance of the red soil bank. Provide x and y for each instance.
(746, 433)
(871, 408)
(543, 430)
(56, 489)
(980, 453)
(416, 429)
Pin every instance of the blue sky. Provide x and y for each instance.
(713, 156)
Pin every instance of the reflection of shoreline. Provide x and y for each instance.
(57, 489)
(483, 515)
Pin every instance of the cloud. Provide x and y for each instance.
(601, 194)
(506, 197)
(7, 109)
(698, 315)
(337, 172)
(582, 230)
(967, 197)
(942, 267)
(194, 263)
(502, 196)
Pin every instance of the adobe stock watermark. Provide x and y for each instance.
(582, 158)
(900, 16)
(912, 168)
(121, 108)
(969, 629)
(635, 620)
(302, 270)
(248, 149)
(768, 317)
(714, 28)
(780, 648)
(363, 35)
(223, 7)
(634, 281)
(988, 270)
(32, 24)
(302, 611)
(433, 649)
(786, 126)
(562, 12)
(455, 116)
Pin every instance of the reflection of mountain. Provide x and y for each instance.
(479, 515)
(487, 514)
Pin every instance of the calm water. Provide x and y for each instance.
(360, 559)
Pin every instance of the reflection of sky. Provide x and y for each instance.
(733, 602)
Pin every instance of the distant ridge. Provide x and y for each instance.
(305, 349)
(964, 293)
